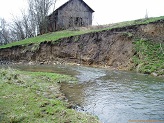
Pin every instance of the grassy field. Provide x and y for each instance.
(149, 57)
(35, 97)
(53, 36)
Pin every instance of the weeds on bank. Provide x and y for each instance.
(35, 97)
(149, 57)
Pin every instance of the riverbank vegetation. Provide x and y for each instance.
(35, 97)
(149, 57)
(54, 36)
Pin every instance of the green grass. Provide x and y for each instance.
(137, 22)
(54, 36)
(149, 57)
(35, 97)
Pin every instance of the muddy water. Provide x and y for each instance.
(113, 96)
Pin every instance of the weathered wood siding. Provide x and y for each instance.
(74, 11)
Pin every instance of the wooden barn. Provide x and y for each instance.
(74, 13)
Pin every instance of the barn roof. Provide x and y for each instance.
(70, 1)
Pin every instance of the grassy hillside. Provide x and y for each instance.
(53, 36)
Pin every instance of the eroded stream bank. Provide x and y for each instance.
(111, 48)
(113, 96)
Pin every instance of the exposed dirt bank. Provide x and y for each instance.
(113, 47)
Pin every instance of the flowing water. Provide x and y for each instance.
(113, 96)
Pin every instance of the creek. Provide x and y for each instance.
(114, 96)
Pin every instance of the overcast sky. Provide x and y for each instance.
(106, 11)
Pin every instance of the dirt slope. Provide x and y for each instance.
(106, 48)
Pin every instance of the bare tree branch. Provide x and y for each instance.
(38, 10)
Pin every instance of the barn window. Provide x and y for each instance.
(78, 21)
(71, 21)
(75, 21)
